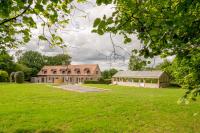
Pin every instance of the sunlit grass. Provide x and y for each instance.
(42, 108)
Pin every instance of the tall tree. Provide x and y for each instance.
(135, 63)
(107, 74)
(60, 59)
(26, 70)
(186, 71)
(33, 60)
(167, 67)
(166, 27)
(6, 62)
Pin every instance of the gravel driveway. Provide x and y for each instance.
(79, 88)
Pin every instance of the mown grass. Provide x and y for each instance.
(42, 108)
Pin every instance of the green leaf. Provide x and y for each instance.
(127, 40)
(96, 22)
(100, 32)
(39, 7)
(41, 37)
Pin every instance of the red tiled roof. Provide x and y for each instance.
(73, 68)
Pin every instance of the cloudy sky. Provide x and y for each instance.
(85, 47)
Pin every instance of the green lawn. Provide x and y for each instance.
(44, 109)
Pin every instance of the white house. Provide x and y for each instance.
(147, 79)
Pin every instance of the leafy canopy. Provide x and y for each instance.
(18, 18)
(107, 74)
(35, 61)
(6, 62)
(165, 27)
(32, 59)
(60, 59)
(167, 67)
(26, 70)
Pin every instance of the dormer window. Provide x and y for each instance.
(69, 72)
(62, 71)
(54, 72)
(44, 71)
(87, 71)
(77, 70)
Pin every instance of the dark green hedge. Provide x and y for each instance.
(101, 81)
(19, 77)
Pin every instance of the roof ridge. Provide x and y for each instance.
(70, 65)
(156, 73)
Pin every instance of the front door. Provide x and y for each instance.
(76, 80)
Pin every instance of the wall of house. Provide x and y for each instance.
(136, 84)
(152, 85)
(64, 79)
(79, 79)
(34, 80)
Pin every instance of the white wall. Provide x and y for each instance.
(145, 85)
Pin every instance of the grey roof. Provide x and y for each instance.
(138, 74)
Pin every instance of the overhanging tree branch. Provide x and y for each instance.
(13, 18)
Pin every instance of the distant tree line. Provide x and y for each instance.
(107, 74)
(30, 63)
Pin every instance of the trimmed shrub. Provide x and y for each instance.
(12, 77)
(27, 71)
(3, 76)
(19, 77)
(90, 82)
(100, 81)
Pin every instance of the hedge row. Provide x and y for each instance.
(19, 77)
(101, 81)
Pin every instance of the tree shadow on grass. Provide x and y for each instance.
(39, 131)
(24, 131)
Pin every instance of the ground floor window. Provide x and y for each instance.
(136, 80)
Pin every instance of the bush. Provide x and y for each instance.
(3, 76)
(100, 81)
(19, 77)
(27, 71)
(12, 77)
(174, 84)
